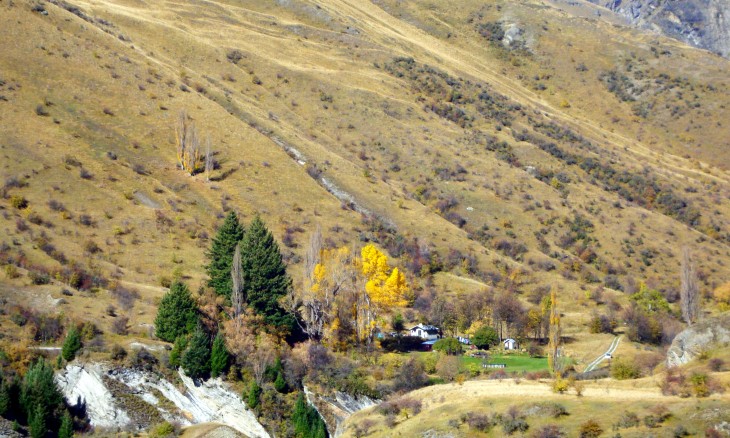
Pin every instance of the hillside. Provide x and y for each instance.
(490, 149)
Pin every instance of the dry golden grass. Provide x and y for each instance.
(603, 401)
(307, 76)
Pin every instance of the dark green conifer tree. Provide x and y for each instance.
(307, 421)
(220, 255)
(253, 396)
(67, 426)
(5, 400)
(265, 276)
(71, 345)
(181, 344)
(37, 422)
(39, 393)
(219, 356)
(177, 314)
(196, 360)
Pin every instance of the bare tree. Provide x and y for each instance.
(689, 292)
(237, 298)
(188, 145)
(208, 159)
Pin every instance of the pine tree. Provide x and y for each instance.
(39, 393)
(219, 357)
(37, 422)
(181, 343)
(253, 395)
(71, 345)
(221, 255)
(196, 360)
(5, 400)
(67, 426)
(280, 383)
(306, 420)
(177, 314)
(265, 277)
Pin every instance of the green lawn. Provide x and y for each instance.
(514, 362)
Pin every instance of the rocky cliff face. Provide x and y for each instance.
(712, 333)
(128, 399)
(701, 23)
(337, 407)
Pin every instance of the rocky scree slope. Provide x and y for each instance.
(701, 23)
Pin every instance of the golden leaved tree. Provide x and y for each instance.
(384, 289)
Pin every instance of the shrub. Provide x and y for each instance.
(447, 368)
(117, 352)
(624, 369)
(549, 431)
(143, 360)
(163, 430)
(716, 364)
(477, 421)
(560, 385)
(11, 271)
(513, 425)
(627, 419)
(120, 326)
(700, 387)
(450, 346)
(590, 429)
(401, 343)
(18, 202)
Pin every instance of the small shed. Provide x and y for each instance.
(510, 344)
(428, 345)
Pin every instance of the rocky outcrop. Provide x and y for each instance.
(701, 23)
(707, 335)
(106, 392)
(336, 408)
(84, 384)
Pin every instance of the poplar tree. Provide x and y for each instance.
(220, 255)
(219, 356)
(554, 336)
(264, 275)
(177, 314)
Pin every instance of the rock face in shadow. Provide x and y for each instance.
(701, 23)
(690, 343)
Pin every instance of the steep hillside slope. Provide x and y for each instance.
(521, 144)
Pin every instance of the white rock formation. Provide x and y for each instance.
(84, 383)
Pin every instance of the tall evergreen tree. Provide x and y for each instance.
(39, 394)
(181, 344)
(219, 357)
(253, 395)
(67, 426)
(196, 360)
(221, 255)
(177, 314)
(265, 277)
(71, 345)
(5, 400)
(307, 421)
(37, 422)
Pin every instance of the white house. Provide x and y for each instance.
(510, 344)
(423, 331)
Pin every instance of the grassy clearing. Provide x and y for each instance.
(514, 362)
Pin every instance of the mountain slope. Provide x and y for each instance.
(524, 145)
